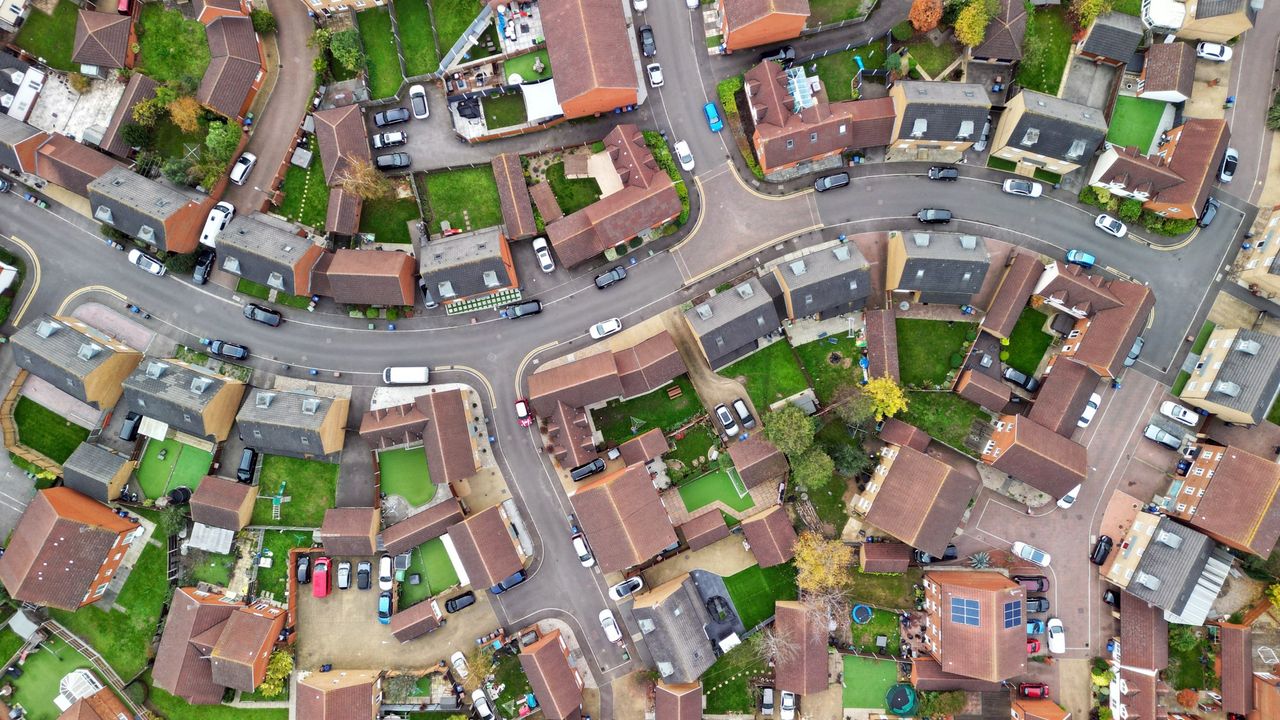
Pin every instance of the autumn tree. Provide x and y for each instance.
(813, 469)
(971, 24)
(278, 669)
(1084, 12)
(1273, 593)
(148, 112)
(771, 647)
(1187, 698)
(925, 14)
(822, 565)
(185, 112)
(886, 396)
(790, 430)
(364, 181)
(480, 665)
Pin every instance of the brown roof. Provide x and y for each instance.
(484, 545)
(1142, 700)
(513, 194)
(704, 529)
(884, 557)
(38, 567)
(1239, 505)
(922, 500)
(583, 41)
(988, 650)
(350, 530)
(569, 433)
(545, 198)
(414, 621)
(1063, 395)
(1038, 709)
(1011, 297)
(217, 502)
(757, 460)
(1144, 634)
(102, 39)
(1042, 458)
(447, 437)
(234, 63)
(896, 432)
(211, 643)
(343, 215)
(1005, 31)
(140, 88)
(623, 517)
(928, 676)
(1071, 287)
(649, 364)
(396, 425)
(66, 163)
(1196, 160)
(1266, 695)
(366, 277)
(771, 536)
(421, 527)
(579, 383)
(238, 658)
(1111, 332)
(740, 13)
(340, 132)
(1137, 172)
(338, 695)
(1237, 668)
(882, 344)
(1169, 67)
(102, 705)
(644, 447)
(988, 391)
(555, 682)
(803, 671)
(677, 702)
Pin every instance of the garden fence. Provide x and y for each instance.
(471, 34)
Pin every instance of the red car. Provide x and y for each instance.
(321, 579)
(523, 413)
(1033, 646)
(1033, 690)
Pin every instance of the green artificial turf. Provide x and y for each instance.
(310, 484)
(172, 48)
(405, 473)
(867, 681)
(620, 421)
(522, 65)
(926, 349)
(718, 485)
(431, 561)
(1134, 122)
(772, 374)
(182, 466)
(45, 431)
(755, 590)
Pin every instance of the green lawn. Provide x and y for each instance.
(933, 59)
(727, 683)
(405, 473)
(388, 219)
(944, 415)
(718, 485)
(124, 638)
(620, 421)
(213, 569)
(310, 485)
(523, 65)
(306, 197)
(41, 674)
(416, 40)
(885, 590)
(825, 361)
(183, 465)
(692, 448)
(467, 197)
(173, 48)
(883, 623)
(867, 681)
(431, 561)
(262, 292)
(828, 499)
(754, 591)
(509, 675)
(772, 374)
(506, 110)
(1028, 341)
(1128, 7)
(1045, 49)
(10, 644)
(380, 52)
(275, 579)
(1185, 669)
(822, 12)
(51, 37)
(836, 71)
(453, 17)
(174, 708)
(170, 141)
(573, 195)
(1134, 122)
(926, 349)
(45, 431)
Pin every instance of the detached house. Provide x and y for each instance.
(935, 267)
(141, 208)
(1237, 376)
(340, 695)
(104, 41)
(555, 681)
(975, 624)
(935, 116)
(1230, 495)
(1168, 72)
(293, 423)
(589, 44)
(1043, 132)
(76, 358)
(729, 325)
(468, 265)
(678, 630)
(1213, 20)
(257, 248)
(235, 73)
(173, 395)
(623, 517)
(750, 23)
(1176, 180)
(485, 545)
(826, 281)
(1036, 455)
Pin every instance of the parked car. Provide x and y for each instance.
(1037, 604)
(1025, 188)
(713, 117)
(640, 5)
(648, 46)
(1032, 583)
(129, 429)
(654, 71)
(524, 415)
(726, 420)
(1112, 598)
(1020, 379)
(542, 251)
(460, 602)
(1069, 499)
(584, 552)
(146, 262)
(266, 316)
(1101, 550)
(586, 470)
(1035, 626)
(418, 102)
(693, 4)
(344, 575)
(1209, 212)
(1110, 225)
(1031, 554)
(924, 558)
(5, 186)
(230, 351)
(1213, 52)
(744, 415)
(1134, 352)
(389, 139)
(627, 587)
(384, 607)
(1090, 409)
(831, 182)
(785, 55)
(509, 582)
(766, 701)
(364, 571)
(1081, 258)
(459, 663)
(204, 266)
(1171, 409)
(219, 216)
(1033, 690)
(428, 300)
(787, 706)
(248, 466)
(244, 165)
(605, 328)
(1158, 434)
(684, 156)
(321, 579)
(934, 216)
(1033, 646)
(944, 172)
(392, 161)
(384, 573)
(611, 630)
(302, 571)
(1057, 636)
(391, 116)
(611, 276)
(1230, 161)
(480, 704)
(515, 311)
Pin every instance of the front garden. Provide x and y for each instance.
(769, 375)
(466, 198)
(45, 431)
(1131, 211)
(248, 287)
(621, 420)
(929, 350)
(309, 486)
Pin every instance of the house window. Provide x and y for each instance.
(231, 265)
(791, 144)
(964, 612)
(844, 129)
(813, 137)
(100, 590)
(1198, 471)
(1012, 614)
(1191, 490)
(257, 434)
(1181, 507)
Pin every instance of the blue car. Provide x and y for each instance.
(1035, 627)
(713, 117)
(384, 607)
(1081, 258)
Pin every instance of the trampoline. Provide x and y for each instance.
(861, 614)
(901, 699)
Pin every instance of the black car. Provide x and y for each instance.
(1032, 583)
(515, 311)
(609, 277)
(1037, 604)
(785, 55)
(934, 216)
(304, 569)
(391, 116)
(507, 583)
(1022, 380)
(392, 161)
(248, 463)
(1112, 598)
(266, 316)
(648, 46)
(1101, 550)
(363, 572)
(129, 430)
(944, 172)
(230, 351)
(465, 600)
(831, 182)
(204, 266)
(1209, 213)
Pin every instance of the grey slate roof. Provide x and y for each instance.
(939, 265)
(674, 630)
(12, 132)
(729, 324)
(1178, 570)
(1058, 128)
(166, 391)
(831, 281)
(943, 111)
(257, 249)
(1256, 378)
(1216, 8)
(90, 468)
(127, 201)
(1115, 36)
(465, 265)
(59, 354)
(283, 423)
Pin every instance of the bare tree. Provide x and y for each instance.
(364, 181)
(771, 647)
(829, 606)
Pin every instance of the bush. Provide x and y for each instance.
(1130, 209)
(264, 22)
(136, 135)
(345, 48)
(181, 264)
(222, 141)
(903, 31)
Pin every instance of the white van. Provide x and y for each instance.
(406, 375)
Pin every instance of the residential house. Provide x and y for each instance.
(803, 671)
(1112, 39)
(897, 432)
(729, 325)
(350, 530)
(1236, 668)
(1066, 387)
(796, 127)
(1237, 376)
(928, 676)
(589, 44)
(826, 281)
(140, 88)
(770, 536)
(975, 624)
(884, 557)
(751, 23)
(1174, 182)
(1144, 635)
(236, 63)
(1022, 271)
(297, 424)
(341, 139)
(175, 395)
(97, 472)
(704, 529)
(1042, 132)
(986, 390)
(681, 701)
(937, 116)
(439, 421)
(1036, 455)
(150, 211)
(222, 503)
(945, 268)
(104, 41)
(513, 196)
(1103, 340)
(415, 621)
(39, 566)
(623, 517)
(212, 642)
(555, 681)
(422, 527)
(76, 358)
(340, 695)
(1266, 694)
(1067, 289)
(18, 140)
(1002, 42)
(69, 167)
(468, 265)
(1037, 709)
(1258, 267)
(1168, 72)
(12, 14)
(366, 277)
(674, 621)
(644, 447)
(486, 547)
(758, 461)
(1213, 20)
(100, 704)
(262, 249)
(23, 81)
(882, 343)
(1230, 495)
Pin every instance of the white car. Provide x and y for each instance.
(654, 71)
(543, 252)
(481, 704)
(684, 155)
(583, 552)
(459, 663)
(384, 573)
(219, 216)
(787, 706)
(244, 165)
(146, 262)
(1090, 409)
(605, 329)
(1230, 161)
(1110, 225)
(1177, 412)
(1057, 636)
(692, 4)
(640, 5)
(1216, 52)
(1069, 499)
(1031, 554)
(1026, 188)
(418, 102)
(627, 587)
(611, 630)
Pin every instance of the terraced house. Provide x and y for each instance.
(77, 359)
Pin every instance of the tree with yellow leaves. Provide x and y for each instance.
(971, 24)
(185, 113)
(822, 565)
(886, 395)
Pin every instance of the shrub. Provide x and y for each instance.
(903, 31)
(181, 264)
(1130, 209)
(136, 135)
(177, 170)
(971, 24)
(263, 21)
(222, 141)
(371, 313)
(345, 48)
(80, 83)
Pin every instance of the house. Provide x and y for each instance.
(647, 198)
(1021, 273)
(986, 390)
(175, 395)
(729, 325)
(795, 126)
(513, 197)
(945, 268)
(882, 344)
(103, 42)
(1168, 72)
(674, 621)
(97, 472)
(928, 676)
(1266, 694)
(1258, 265)
(591, 380)
(1236, 668)
(1067, 289)
(236, 62)
(884, 557)
(297, 424)
(1237, 376)
(1135, 684)
(682, 701)
(751, 23)
(23, 81)
(917, 498)
(648, 364)
(555, 681)
(350, 530)
(422, 527)
(440, 421)
(623, 517)
(211, 642)
(897, 432)
(366, 277)
(264, 250)
(1174, 183)
(468, 265)
(758, 461)
(486, 547)
(70, 166)
(76, 358)
(343, 216)
(937, 116)
(222, 503)
(39, 567)
(975, 624)
(1230, 495)
(1042, 132)
(1037, 709)
(18, 140)
(590, 46)
(340, 695)
(1065, 389)
(644, 447)
(803, 671)
(13, 14)
(1213, 20)
(140, 88)
(770, 536)
(829, 280)
(704, 529)
(1032, 453)
(154, 213)
(1112, 40)
(1103, 340)
(1002, 42)
(415, 621)
(341, 139)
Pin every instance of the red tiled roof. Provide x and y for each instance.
(414, 621)
(757, 460)
(235, 60)
(1144, 634)
(983, 389)
(343, 215)
(340, 133)
(447, 437)
(623, 517)
(422, 527)
(584, 38)
(704, 529)
(1111, 332)
(102, 39)
(882, 344)
(569, 431)
(884, 557)
(896, 432)
(1042, 458)
(513, 195)
(484, 545)
(66, 163)
(338, 695)
(1062, 396)
(239, 657)
(677, 702)
(988, 650)
(803, 671)
(555, 682)
(350, 530)
(217, 502)
(644, 447)
(928, 676)
(648, 365)
(140, 88)
(740, 13)
(1169, 67)
(582, 382)
(1240, 505)
(1237, 668)
(1070, 287)
(1019, 280)
(1005, 32)
(102, 705)
(367, 277)
(922, 501)
(545, 198)
(771, 536)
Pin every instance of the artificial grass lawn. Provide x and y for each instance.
(45, 431)
(416, 40)
(275, 579)
(883, 623)
(944, 415)
(1134, 122)
(174, 708)
(933, 59)
(816, 358)
(404, 473)
(693, 447)
(925, 348)
(173, 48)
(41, 674)
(822, 12)
(51, 37)
(867, 681)
(310, 485)
(10, 644)
(381, 58)
(453, 17)
(506, 110)
(431, 561)
(523, 65)
(572, 195)
(1028, 341)
(836, 71)
(472, 191)
(123, 638)
(306, 197)
(727, 684)
(754, 591)
(388, 218)
(183, 465)
(617, 423)
(262, 292)
(718, 485)
(1045, 49)
(772, 374)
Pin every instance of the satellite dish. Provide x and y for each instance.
(904, 306)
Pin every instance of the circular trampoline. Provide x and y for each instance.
(901, 699)
(861, 614)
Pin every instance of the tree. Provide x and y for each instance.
(364, 181)
(813, 469)
(222, 141)
(185, 112)
(887, 397)
(135, 135)
(480, 665)
(851, 461)
(1187, 698)
(853, 406)
(822, 565)
(278, 669)
(264, 23)
(1182, 639)
(1085, 12)
(319, 39)
(147, 112)
(771, 647)
(938, 704)
(971, 24)
(345, 48)
(176, 170)
(925, 14)
(790, 430)
(1273, 593)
